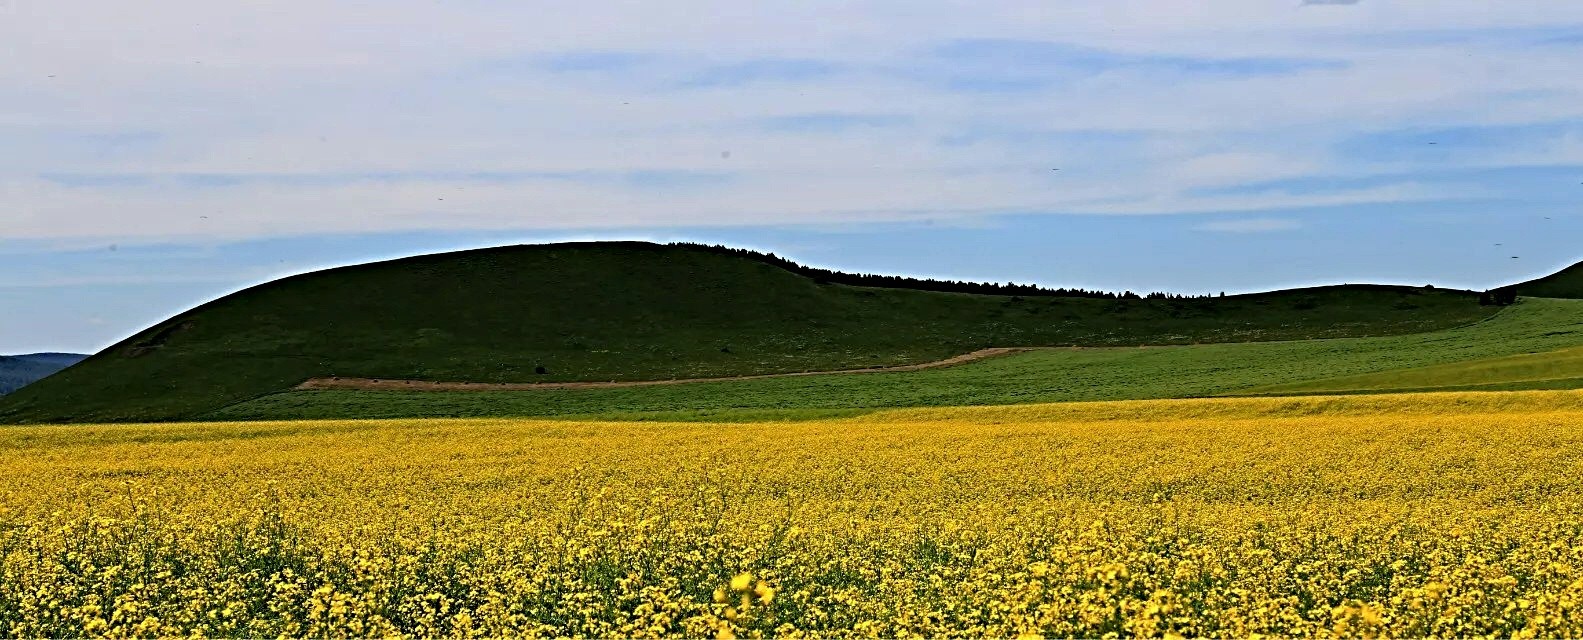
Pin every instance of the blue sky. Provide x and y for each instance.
(151, 160)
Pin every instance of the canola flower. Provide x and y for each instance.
(1415, 515)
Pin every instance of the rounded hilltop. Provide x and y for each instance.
(605, 311)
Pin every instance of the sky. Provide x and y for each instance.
(154, 156)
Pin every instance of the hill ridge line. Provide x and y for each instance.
(383, 384)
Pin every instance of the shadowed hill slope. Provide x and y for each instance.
(1566, 283)
(636, 311)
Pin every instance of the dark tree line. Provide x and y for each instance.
(1499, 297)
(827, 276)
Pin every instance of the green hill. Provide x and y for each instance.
(1567, 283)
(1477, 353)
(639, 311)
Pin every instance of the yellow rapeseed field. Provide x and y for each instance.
(1434, 514)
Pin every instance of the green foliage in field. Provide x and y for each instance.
(1056, 375)
(638, 311)
(1550, 369)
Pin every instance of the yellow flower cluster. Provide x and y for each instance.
(1436, 514)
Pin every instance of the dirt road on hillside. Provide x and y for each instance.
(368, 384)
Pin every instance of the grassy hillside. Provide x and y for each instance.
(1545, 369)
(1057, 375)
(635, 311)
(1567, 283)
(19, 371)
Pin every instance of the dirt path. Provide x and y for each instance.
(368, 384)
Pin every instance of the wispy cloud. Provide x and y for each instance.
(1008, 65)
(592, 61)
(831, 122)
(1575, 37)
(634, 179)
(1497, 37)
(489, 116)
(1251, 225)
(98, 180)
(761, 70)
(1463, 144)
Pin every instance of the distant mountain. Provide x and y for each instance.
(19, 371)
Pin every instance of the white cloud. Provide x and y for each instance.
(428, 93)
